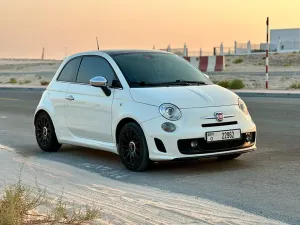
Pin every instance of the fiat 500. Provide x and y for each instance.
(145, 106)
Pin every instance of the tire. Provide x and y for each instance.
(133, 149)
(229, 157)
(45, 133)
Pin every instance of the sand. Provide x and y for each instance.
(282, 82)
(27, 72)
(256, 62)
(121, 202)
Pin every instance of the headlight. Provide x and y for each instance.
(243, 106)
(170, 112)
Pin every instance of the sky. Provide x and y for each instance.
(70, 26)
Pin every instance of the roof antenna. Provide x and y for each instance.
(97, 43)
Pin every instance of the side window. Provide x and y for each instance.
(69, 71)
(93, 66)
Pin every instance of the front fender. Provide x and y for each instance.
(130, 109)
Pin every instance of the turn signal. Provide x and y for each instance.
(168, 127)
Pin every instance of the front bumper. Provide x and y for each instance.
(176, 145)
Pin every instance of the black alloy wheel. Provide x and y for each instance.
(132, 148)
(45, 133)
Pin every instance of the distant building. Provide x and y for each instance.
(284, 35)
(285, 39)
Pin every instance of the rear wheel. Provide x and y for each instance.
(229, 157)
(132, 147)
(45, 133)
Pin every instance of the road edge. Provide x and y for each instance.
(268, 94)
(241, 93)
(10, 88)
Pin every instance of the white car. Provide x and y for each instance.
(145, 106)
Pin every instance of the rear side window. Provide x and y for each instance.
(93, 66)
(69, 71)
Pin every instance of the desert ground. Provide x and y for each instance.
(284, 71)
(256, 62)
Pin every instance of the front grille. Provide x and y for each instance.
(184, 146)
(219, 124)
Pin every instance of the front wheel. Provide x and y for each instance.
(133, 149)
(45, 133)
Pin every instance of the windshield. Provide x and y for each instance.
(158, 69)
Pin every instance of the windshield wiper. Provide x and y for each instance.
(177, 82)
(143, 83)
(185, 82)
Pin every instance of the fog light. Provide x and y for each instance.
(248, 137)
(168, 127)
(194, 144)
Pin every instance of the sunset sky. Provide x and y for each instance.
(28, 25)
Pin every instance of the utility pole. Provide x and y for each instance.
(267, 55)
(43, 53)
(97, 43)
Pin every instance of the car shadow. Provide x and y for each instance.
(106, 163)
(205, 165)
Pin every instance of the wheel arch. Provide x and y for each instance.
(121, 124)
(38, 112)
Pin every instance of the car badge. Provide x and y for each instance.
(219, 116)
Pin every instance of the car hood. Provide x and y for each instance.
(185, 96)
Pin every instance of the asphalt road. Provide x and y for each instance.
(265, 182)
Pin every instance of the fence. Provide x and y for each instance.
(272, 47)
(280, 46)
(256, 48)
(228, 50)
(200, 53)
(238, 49)
(178, 51)
(241, 48)
(241, 45)
(249, 48)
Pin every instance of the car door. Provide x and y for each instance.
(88, 109)
(57, 92)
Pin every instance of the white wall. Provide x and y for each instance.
(241, 51)
(284, 35)
(272, 47)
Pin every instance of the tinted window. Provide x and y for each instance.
(69, 72)
(93, 66)
(157, 68)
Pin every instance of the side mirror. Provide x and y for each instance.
(102, 83)
(98, 81)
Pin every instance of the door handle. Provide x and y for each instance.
(70, 98)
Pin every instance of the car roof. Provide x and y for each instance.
(118, 52)
(114, 52)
